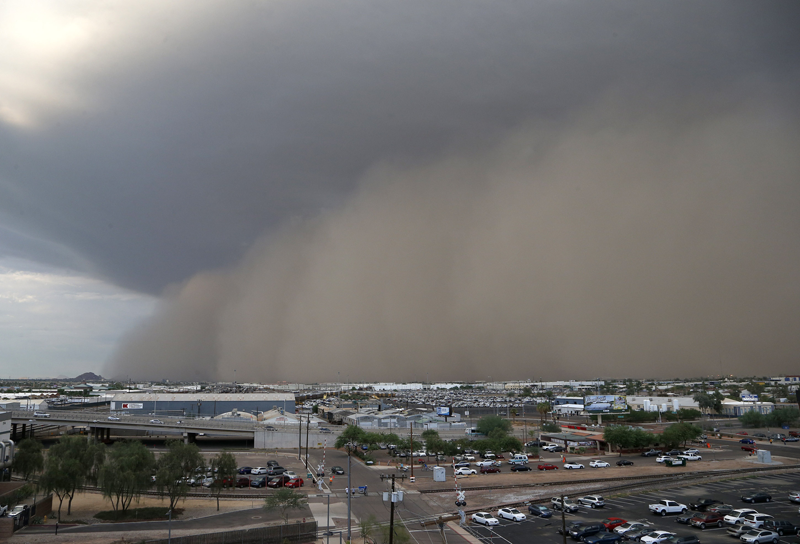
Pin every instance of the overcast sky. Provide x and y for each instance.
(293, 188)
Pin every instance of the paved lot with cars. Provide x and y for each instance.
(635, 508)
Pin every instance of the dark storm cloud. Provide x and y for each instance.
(195, 128)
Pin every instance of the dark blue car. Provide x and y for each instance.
(539, 510)
(603, 538)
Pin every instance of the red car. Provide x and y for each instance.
(294, 482)
(243, 482)
(548, 466)
(749, 448)
(489, 470)
(742, 433)
(611, 523)
(279, 481)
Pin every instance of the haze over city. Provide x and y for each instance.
(310, 190)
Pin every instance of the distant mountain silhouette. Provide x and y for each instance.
(87, 377)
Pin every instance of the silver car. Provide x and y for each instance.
(758, 536)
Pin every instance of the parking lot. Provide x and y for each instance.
(634, 507)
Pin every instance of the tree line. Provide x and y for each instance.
(122, 471)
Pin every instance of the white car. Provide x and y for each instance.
(794, 496)
(692, 451)
(464, 471)
(662, 458)
(156, 421)
(737, 516)
(511, 513)
(484, 518)
(469, 458)
(595, 501)
(597, 463)
(656, 536)
(629, 526)
(757, 536)
(259, 470)
(113, 418)
(487, 463)
(665, 507)
(572, 465)
(290, 473)
(690, 457)
(41, 414)
(756, 521)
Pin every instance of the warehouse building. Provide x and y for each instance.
(201, 404)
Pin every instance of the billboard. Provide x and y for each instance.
(605, 403)
(444, 411)
(749, 398)
(132, 406)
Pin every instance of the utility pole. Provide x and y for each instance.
(391, 516)
(299, 438)
(411, 424)
(308, 424)
(349, 494)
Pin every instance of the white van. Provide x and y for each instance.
(518, 459)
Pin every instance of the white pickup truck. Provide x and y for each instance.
(665, 507)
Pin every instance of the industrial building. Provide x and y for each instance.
(201, 404)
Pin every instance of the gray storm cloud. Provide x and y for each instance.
(614, 245)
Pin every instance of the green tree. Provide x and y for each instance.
(680, 433)
(527, 392)
(401, 534)
(353, 435)
(71, 462)
(488, 423)
(543, 408)
(223, 466)
(550, 427)
(433, 442)
(175, 468)
(690, 413)
(753, 418)
(28, 459)
(783, 416)
(368, 526)
(705, 401)
(126, 473)
(285, 499)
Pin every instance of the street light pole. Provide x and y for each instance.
(350, 494)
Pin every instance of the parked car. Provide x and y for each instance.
(624, 463)
(794, 496)
(19, 510)
(245, 470)
(758, 536)
(707, 519)
(567, 505)
(684, 519)
(782, 527)
(464, 471)
(674, 452)
(738, 530)
(539, 510)
(547, 466)
(294, 482)
(572, 465)
(582, 531)
(595, 501)
(651, 453)
(278, 481)
(629, 526)
(259, 470)
(602, 538)
(703, 504)
(511, 513)
(665, 507)
(756, 520)
(242, 482)
(723, 509)
(688, 539)
(597, 463)
(757, 497)
(571, 525)
(275, 471)
(258, 481)
(637, 535)
(484, 518)
(273, 463)
(611, 523)
(663, 458)
(655, 537)
(737, 516)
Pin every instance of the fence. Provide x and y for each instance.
(273, 534)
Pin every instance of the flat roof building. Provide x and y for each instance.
(201, 404)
